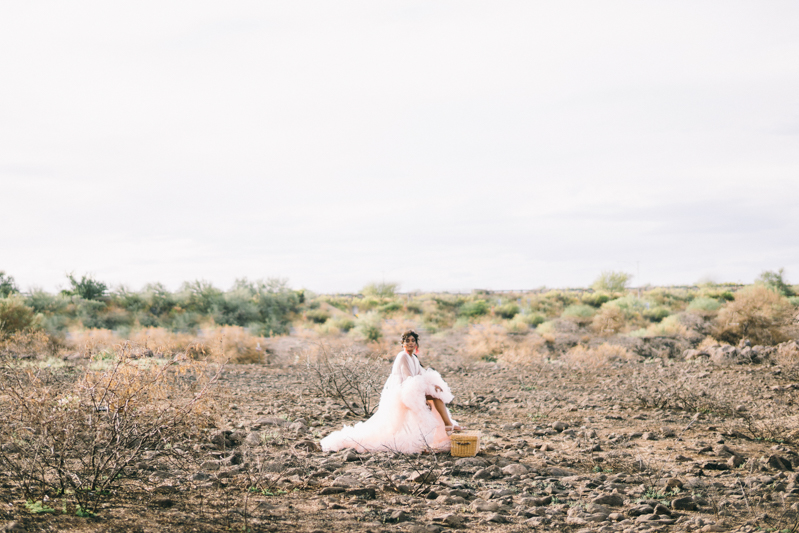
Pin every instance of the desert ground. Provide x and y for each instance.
(674, 438)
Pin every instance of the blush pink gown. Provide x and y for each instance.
(404, 421)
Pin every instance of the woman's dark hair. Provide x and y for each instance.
(408, 334)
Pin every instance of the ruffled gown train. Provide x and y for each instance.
(404, 421)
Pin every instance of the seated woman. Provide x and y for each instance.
(412, 415)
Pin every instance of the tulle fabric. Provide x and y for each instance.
(404, 421)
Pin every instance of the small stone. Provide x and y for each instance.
(735, 461)
(497, 519)
(684, 504)
(715, 466)
(640, 510)
(559, 426)
(674, 483)
(308, 445)
(780, 463)
(661, 509)
(515, 469)
(345, 481)
(400, 516)
(723, 451)
(270, 421)
(366, 493)
(331, 490)
(483, 506)
(648, 436)
(539, 502)
(452, 520)
(595, 508)
(555, 471)
(614, 500)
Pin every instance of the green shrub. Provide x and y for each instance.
(317, 316)
(656, 314)
(773, 280)
(507, 311)
(7, 285)
(474, 308)
(595, 299)
(612, 281)
(368, 326)
(704, 305)
(390, 307)
(15, 315)
(380, 290)
(579, 313)
(87, 288)
(344, 323)
(794, 301)
(413, 307)
(534, 319)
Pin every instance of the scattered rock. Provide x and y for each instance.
(308, 445)
(400, 516)
(497, 519)
(613, 499)
(514, 469)
(780, 463)
(346, 482)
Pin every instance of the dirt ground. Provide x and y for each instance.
(658, 445)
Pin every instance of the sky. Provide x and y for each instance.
(448, 145)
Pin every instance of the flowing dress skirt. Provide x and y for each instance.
(404, 421)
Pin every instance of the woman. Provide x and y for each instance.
(412, 415)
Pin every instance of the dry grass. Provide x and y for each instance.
(597, 356)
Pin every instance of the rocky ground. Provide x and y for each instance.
(706, 444)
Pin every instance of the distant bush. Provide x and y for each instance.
(7, 285)
(596, 356)
(580, 313)
(612, 281)
(390, 307)
(507, 311)
(534, 319)
(758, 313)
(474, 308)
(317, 316)
(656, 314)
(368, 326)
(413, 307)
(380, 290)
(774, 281)
(15, 315)
(610, 320)
(704, 306)
(595, 299)
(343, 323)
(87, 288)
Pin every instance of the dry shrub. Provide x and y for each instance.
(78, 434)
(346, 374)
(609, 320)
(487, 341)
(28, 344)
(15, 315)
(161, 341)
(231, 343)
(597, 356)
(757, 313)
(92, 341)
(527, 351)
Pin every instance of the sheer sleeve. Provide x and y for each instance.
(402, 366)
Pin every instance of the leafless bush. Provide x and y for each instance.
(77, 434)
(419, 472)
(348, 376)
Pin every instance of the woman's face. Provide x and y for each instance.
(409, 345)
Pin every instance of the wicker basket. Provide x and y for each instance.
(465, 443)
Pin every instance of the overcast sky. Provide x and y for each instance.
(444, 145)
